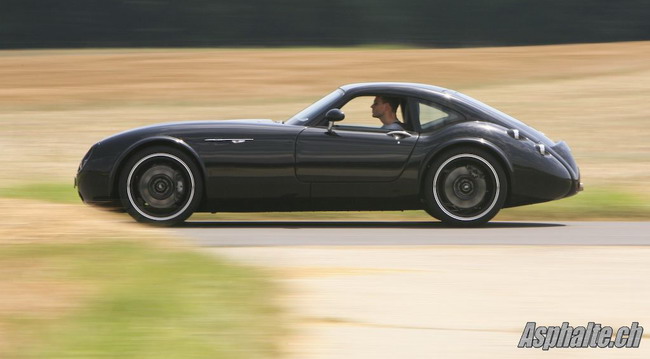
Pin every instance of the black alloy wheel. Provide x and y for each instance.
(160, 185)
(465, 187)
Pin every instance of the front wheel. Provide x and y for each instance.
(160, 185)
(465, 187)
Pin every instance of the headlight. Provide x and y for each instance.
(86, 158)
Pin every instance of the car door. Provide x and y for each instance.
(352, 154)
(356, 149)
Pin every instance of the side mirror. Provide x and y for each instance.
(333, 115)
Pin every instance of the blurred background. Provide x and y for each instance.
(76, 71)
(210, 23)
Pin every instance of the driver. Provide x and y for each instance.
(385, 109)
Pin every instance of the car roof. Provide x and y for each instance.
(412, 88)
(387, 86)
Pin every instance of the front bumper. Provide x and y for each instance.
(93, 180)
(92, 189)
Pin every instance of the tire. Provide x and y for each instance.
(465, 186)
(160, 185)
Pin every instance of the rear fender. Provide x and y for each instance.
(474, 142)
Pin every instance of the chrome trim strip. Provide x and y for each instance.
(231, 140)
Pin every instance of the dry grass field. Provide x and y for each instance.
(76, 282)
(55, 104)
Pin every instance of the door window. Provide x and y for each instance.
(359, 114)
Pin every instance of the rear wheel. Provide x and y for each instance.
(465, 187)
(160, 185)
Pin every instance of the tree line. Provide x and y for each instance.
(228, 23)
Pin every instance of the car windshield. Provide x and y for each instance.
(314, 109)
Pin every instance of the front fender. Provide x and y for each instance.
(151, 141)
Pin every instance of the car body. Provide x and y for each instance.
(457, 158)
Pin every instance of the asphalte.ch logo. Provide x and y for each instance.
(594, 335)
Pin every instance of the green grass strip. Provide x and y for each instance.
(51, 192)
(592, 204)
(607, 202)
(149, 302)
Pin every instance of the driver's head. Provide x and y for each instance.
(382, 104)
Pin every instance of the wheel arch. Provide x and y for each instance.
(150, 142)
(478, 143)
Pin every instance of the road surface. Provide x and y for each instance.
(385, 290)
(243, 234)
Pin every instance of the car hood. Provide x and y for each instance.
(211, 123)
(171, 128)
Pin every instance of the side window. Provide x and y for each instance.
(359, 114)
(434, 116)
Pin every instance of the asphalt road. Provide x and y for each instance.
(423, 290)
(297, 233)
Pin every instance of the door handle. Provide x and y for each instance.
(398, 135)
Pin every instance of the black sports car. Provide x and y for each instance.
(451, 155)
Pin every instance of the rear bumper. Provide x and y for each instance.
(576, 188)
